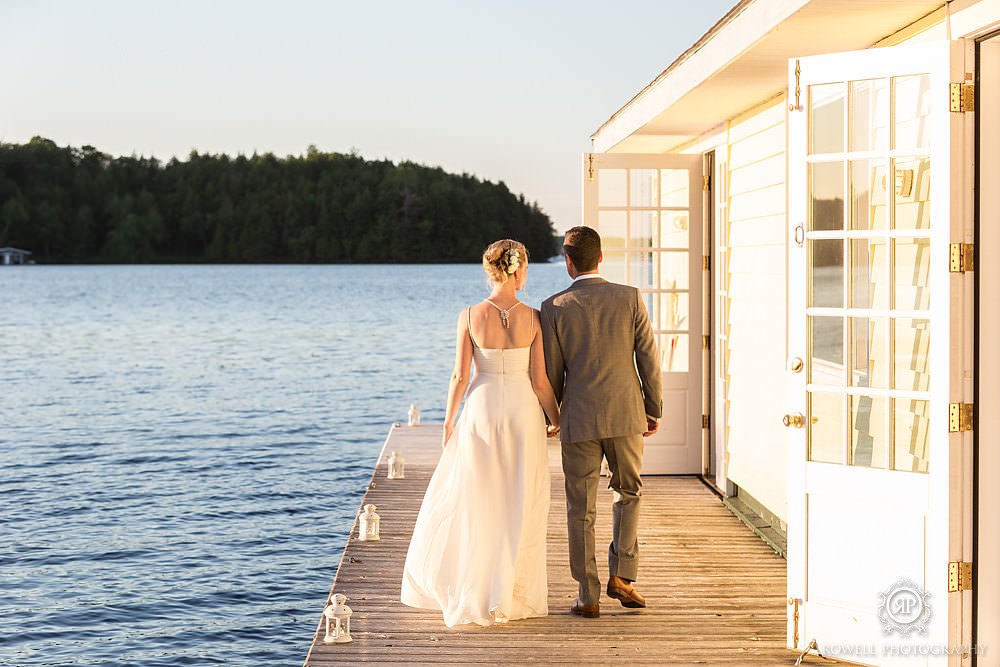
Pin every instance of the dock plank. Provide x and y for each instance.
(715, 591)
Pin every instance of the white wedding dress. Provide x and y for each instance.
(478, 546)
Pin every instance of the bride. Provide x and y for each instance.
(478, 546)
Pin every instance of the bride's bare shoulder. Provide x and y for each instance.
(463, 316)
(475, 309)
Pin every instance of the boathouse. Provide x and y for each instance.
(10, 256)
(807, 197)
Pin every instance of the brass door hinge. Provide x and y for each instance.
(706, 342)
(798, 88)
(590, 167)
(960, 416)
(962, 97)
(963, 257)
(704, 183)
(959, 576)
(706, 262)
(704, 421)
(795, 621)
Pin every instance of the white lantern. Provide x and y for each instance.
(414, 415)
(338, 621)
(368, 525)
(396, 465)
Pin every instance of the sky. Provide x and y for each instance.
(507, 90)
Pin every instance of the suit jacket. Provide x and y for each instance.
(601, 358)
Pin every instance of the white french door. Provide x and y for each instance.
(988, 378)
(648, 211)
(879, 330)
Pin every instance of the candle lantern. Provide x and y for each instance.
(368, 525)
(414, 415)
(338, 621)
(396, 465)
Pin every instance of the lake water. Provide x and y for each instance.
(185, 447)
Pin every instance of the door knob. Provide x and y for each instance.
(795, 419)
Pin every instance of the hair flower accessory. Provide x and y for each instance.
(513, 260)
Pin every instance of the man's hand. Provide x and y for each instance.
(652, 426)
(551, 431)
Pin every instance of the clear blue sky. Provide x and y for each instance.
(506, 90)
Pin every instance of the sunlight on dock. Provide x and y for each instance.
(715, 591)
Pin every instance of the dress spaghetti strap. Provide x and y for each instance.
(468, 313)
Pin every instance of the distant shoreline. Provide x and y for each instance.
(82, 206)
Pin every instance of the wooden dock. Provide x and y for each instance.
(716, 592)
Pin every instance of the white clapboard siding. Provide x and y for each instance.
(756, 279)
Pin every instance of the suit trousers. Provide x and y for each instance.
(582, 467)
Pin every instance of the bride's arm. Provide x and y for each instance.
(539, 378)
(459, 376)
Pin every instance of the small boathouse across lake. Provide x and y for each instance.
(10, 256)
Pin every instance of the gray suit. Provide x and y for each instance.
(600, 355)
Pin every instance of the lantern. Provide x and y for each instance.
(414, 415)
(396, 465)
(338, 621)
(368, 525)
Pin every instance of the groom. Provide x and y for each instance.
(601, 359)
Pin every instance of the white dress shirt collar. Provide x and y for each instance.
(587, 275)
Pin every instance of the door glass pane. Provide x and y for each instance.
(869, 277)
(911, 110)
(673, 311)
(674, 229)
(674, 185)
(911, 361)
(613, 266)
(826, 196)
(868, 432)
(826, 339)
(911, 273)
(869, 115)
(641, 270)
(611, 226)
(673, 352)
(827, 265)
(642, 224)
(910, 437)
(643, 187)
(826, 118)
(869, 352)
(868, 202)
(611, 187)
(826, 427)
(674, 270)
(912, 188)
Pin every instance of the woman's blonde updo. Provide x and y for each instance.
(502, 258)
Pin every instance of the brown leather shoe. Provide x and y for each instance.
(586, 610)
(625, 593)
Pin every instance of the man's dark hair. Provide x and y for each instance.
(583, 246)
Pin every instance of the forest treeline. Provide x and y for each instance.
(80, 205)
